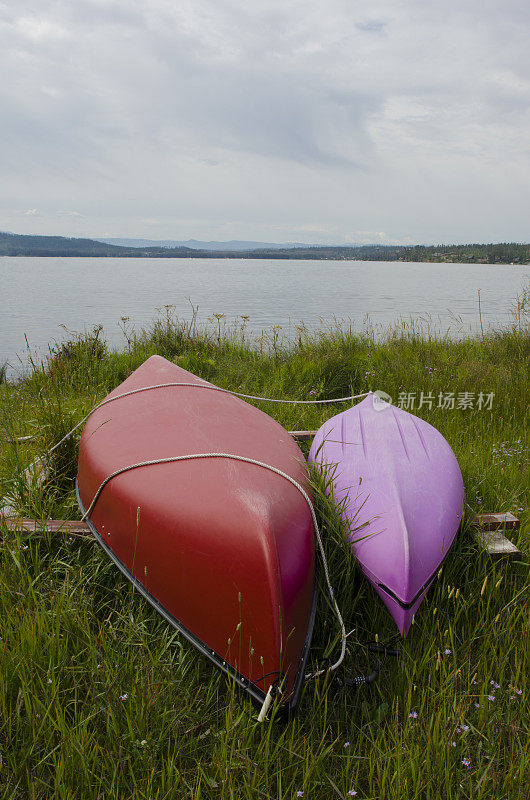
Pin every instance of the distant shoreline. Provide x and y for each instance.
(252, 257)
(17, 245)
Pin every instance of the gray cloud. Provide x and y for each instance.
(266, 119)
(371, 25)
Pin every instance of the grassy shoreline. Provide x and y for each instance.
(100, 699)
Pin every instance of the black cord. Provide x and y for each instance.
(385, 649)
(267, 675)
(361, 680)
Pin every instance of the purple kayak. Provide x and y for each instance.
(401, 491)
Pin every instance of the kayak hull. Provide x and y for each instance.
(401, 492)
(222, 548)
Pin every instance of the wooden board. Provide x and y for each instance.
(57, 527)
(302, 436)
(488, 534)
(497, 545)
(494, 522)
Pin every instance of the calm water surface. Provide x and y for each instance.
(38, 295)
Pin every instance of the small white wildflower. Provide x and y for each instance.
(346, 744)
(124, 696)
(447, 652)
(413, 715)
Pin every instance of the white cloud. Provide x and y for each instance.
(405, 117)
(39, 30)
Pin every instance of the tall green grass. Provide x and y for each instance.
(99, 698)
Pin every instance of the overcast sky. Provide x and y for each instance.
(274, 120)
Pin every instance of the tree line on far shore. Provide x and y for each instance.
(12, 244)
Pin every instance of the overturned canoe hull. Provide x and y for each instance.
(222, 548)
(400, 488)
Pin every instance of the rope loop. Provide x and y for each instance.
(235, 458)
(282, 474)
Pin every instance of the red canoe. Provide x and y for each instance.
(222, 548)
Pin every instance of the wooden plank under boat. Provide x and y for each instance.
(400, 489)
(223, 549)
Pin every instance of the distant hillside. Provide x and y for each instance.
(12, 244)
(196, 244)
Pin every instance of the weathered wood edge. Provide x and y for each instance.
(497, 545)
(302, 436)
(495, 522)
(487, 530)
(55, 527)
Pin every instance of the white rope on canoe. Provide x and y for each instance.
(235, 458)
(172, 459)
(200, 386)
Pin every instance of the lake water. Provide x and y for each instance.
(38, 295)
